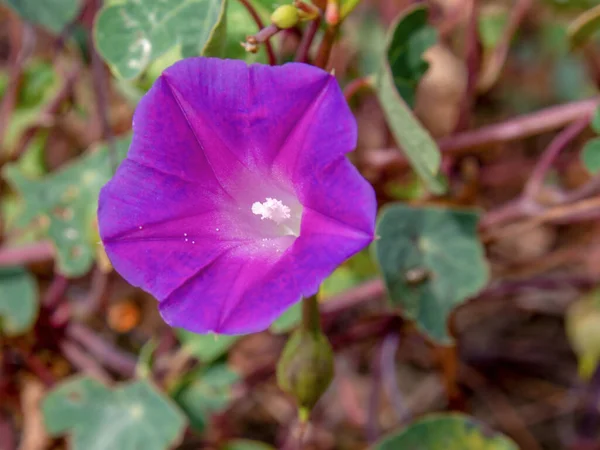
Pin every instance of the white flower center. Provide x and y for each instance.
(272, 209)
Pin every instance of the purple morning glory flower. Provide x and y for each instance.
(236, 199)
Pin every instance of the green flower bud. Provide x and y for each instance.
(305, 368)
(286, 16)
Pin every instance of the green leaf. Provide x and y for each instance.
(38, 78)
(209, 393)
(398, 76)
(130, 35)
(133, 416)
(40, 84)
(53, 15)
(246, 444)
(206, 347)
(446, 432)
(64, 204)
(19, 303)
(409, 39)
(432, 261)
(590, 156)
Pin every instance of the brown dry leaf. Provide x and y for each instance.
(528, 245)
(440, 91)
(34, 431)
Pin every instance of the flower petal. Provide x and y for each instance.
(211, 138)
(259, 116)
(241, 296)
(150, 220)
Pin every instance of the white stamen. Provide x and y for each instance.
(272, 209)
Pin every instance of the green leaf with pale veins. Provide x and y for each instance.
(19, 302)
(63, 204)
(401, 69)
(432, 261)
(132, 416)
(53, 15)
(446, 432)
(132, 34)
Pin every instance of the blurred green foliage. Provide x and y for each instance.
(132, 416)
(62, 205)
(446, 432)
(19, 302)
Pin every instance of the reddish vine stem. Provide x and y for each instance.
(96, 295)
(326, 45)
(527, 204)
(26, 254)
(356, 85)
(449, 360)
(473, 61)
(562, 140)
(39, 369)
(259, 23)
(520, 127)
(84, 362)
(303, 51)
(514, 129)
(55, 291)
(112, 357)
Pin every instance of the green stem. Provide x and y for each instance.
(311, 319)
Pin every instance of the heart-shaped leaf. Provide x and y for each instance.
(132, 34)
(131, 417)
(432, 261)
(446, 432)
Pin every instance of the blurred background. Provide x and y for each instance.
(509, 92)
